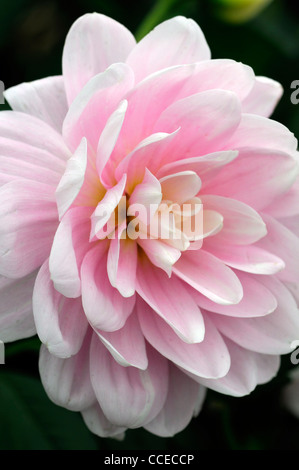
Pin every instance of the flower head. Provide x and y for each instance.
(151, 206)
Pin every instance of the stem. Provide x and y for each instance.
(157, 14)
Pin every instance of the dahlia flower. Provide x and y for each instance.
(136, 322)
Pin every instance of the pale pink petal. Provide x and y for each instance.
(72, 179)
(248, 369)
(180, 406)
(67, 381)
(22, 138)
(256, 177)
(271, 334)
(257, 300)
(264, 97)
(97, 422)
(93, 43)
(242, 225)
(209, 359)
(146, 198)
(16, 317)
(250, 258)
(70, 244)
(107, 141)
(135, 396)
(205, 273)
(122, 264)
(105, 209)
(173, 42)
(104, 306)
(287, 204)
(147, 154)
(29, 220)
(206, 166)
(60, 322)
(45, 99)
(160, 254)
(180, 187)
(127, 345)
(88, 113)
(285, 244)
(206, 121)
(170, 300)
(268, 134)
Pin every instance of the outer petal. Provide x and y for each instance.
(16, 318)
(122, 265)
(257, 300)
(67, 381)
(135, 396)
(248, 369)
(209, 359)
(209, 276)
(60, 322)
(171, 301)
(98, 99)
(104, 306)
(264, 97)
(173, 42)
(272, 334)
(45, 99)
(127, 345)
(97, 422)
(93, 43)
(70, 244)
(184, 399)
(28, 216)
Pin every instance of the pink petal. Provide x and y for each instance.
(143, 392)
(248, 369)
(268, 134)
(67, 381)
(28, 223)
(241, 225)
(72, 179)
(44, 99)
(70, 244)
(285, 245)
(160, 254)
(97, 422)
(206, 122)
(206, 166)
(170, 300)
(285, 205)
(99, 97)
(104, 306)
(209, 359)
(180, 187)
(105, 209)
(181, 404)
(250, 258)
(205, 273)
(271, 334)
(60, 322)
(16, 318)
(122, 264)
(127, 345)
(257, 300)
(145, 197)
(93, 43)
(264, 97)
(256, 177)
(173, 42)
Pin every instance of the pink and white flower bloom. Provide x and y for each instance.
(135, 329)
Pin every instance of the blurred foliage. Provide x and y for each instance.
(32, 35)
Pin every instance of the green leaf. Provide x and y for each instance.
(30, 421)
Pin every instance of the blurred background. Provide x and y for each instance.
(261, 33)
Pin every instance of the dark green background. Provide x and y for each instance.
(31, 40)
